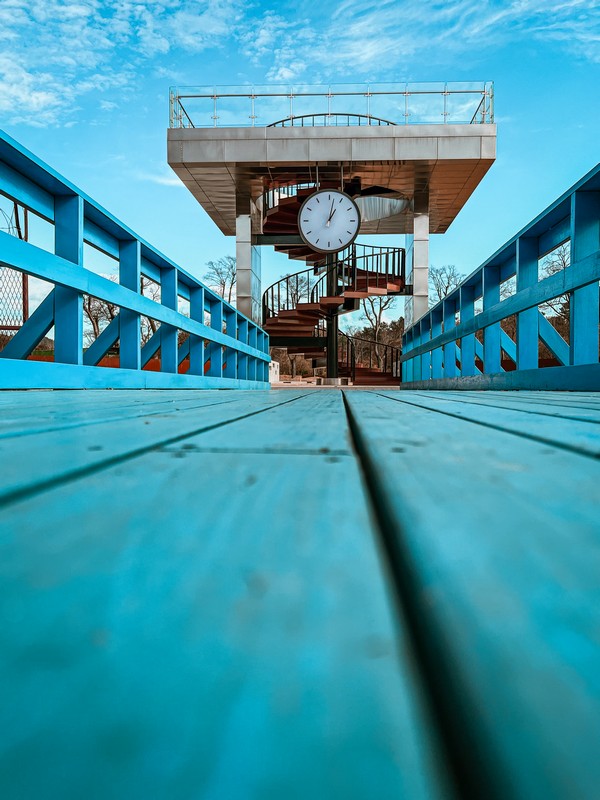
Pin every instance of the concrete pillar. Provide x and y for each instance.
(247, 257)
(417, 260)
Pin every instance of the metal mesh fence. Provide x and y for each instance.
(14, 289)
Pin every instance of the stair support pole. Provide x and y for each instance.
(332, 320)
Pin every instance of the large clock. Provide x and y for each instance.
(328, 220)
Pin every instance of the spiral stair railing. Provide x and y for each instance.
(360, 269)
(329, 119)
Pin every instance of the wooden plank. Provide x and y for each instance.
(589, 400)
(211, 625)
(526, 406)
(29, 422)
(494, 539)
(581, 436)
(32, 463)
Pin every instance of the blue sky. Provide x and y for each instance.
(85, 86)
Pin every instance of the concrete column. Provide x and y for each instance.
(248, 269)
(417, 260)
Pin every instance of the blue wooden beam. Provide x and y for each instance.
(129, 331)
(527, 321)
(585, 240)
(553, 340)
(26, 257)
(581, 273)
(151, 348)
(68, 302)
(100, 347)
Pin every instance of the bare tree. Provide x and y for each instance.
(442, 280)
(100, 313)
(221, 276)
(555, 261)
(373, 309)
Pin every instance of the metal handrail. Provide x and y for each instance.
(356, 263)
(241, 106)
(386, 356)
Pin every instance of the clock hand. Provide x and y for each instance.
(331, 213)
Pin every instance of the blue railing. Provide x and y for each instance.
(213, 347)
(488, 334)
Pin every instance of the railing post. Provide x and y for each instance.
(449, 312)
(585, 240)
(491, 335)
(230, 366)
(129, 321)
(168, 334)
(467, 343)
(215, 350)
(527, 321)
(196, 342)
(424, 336)
(252, 360)
(242, 357)
(68, 303)
(437, 354)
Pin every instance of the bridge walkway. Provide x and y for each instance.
(324, 594)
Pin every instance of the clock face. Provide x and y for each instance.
(329, 221)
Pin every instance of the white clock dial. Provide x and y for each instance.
(329, 221)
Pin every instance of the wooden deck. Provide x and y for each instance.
(300, 595)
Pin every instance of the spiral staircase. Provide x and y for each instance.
(301, 310)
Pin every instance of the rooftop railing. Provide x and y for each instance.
(348, 104)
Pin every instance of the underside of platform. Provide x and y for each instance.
(225, 168)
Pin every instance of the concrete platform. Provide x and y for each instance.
(224, 168)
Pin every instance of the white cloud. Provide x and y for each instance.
(385, 34)
(56, 51)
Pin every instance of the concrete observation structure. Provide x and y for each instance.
(428, 150)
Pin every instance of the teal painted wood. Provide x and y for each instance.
(527, 252)
(25, 374)
(580, 436)
(78, 220)
(206, 642)
(529, 405)
(496, 539)
(584, 378)
(28, 418)
(574, 218)
(56, 454)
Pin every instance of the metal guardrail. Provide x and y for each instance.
(355, 351)
(215, 346)
(403, 103)
(458, 345)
